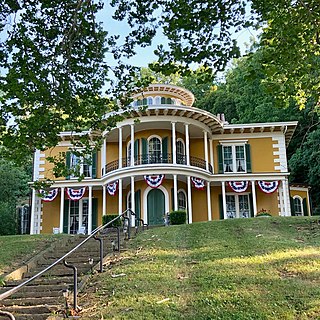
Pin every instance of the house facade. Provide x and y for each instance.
(168, 155)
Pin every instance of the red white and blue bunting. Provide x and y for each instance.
(268, 186)
(198, 183)
(75, 194)
(154, 181)
(112, 187)
(238, 186)
(48, 196)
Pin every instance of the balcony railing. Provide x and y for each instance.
(157, 158)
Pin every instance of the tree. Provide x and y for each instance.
(14, 187)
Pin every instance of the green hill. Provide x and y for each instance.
(260, 268)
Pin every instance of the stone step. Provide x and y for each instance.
(36, 309)
(32, 301)
(32, 316)
(42, 280)
(60, 271)
(39, 288)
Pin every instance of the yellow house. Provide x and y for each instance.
(169, 156)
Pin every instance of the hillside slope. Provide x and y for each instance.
(260, 268)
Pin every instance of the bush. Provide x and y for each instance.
(263, 213)
(178, 217)
(109, 217)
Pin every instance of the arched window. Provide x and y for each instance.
(144, 101)
(163, 100)
(298, 208)
(169, 101)
(150, 101)
(182, 200)
(180, 150)
(135, 103)
(157, 100)
(154, 150)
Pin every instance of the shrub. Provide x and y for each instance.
(178, 217)
(107, 218)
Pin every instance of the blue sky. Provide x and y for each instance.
(145, 56)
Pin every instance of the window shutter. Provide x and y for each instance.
(248, 158)
(220, 158)
(251, 205)
(66, 216)
(94, 213)
(221, 207)
(144, 151)
(136, 151)
(68, 162)
(137, 203)
(292, 207)
(305, 207)
(165, 149)
(94, 164)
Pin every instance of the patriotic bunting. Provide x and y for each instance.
(154, 181)
(238, 186)
(268, 186)
(198, 183)
(75, 194)
(48, 196)
(112, 187)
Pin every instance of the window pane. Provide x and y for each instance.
(227, 159)
(181, 201)
(297, 206)
(231, 206)
(154, 150)
(240, 159)
(74, 216)
(150, 101)
(180, 152)
(244, 211)
(85, 210)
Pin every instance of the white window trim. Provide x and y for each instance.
(237, 202)
(184, 145)
(185, 194)
(234, 160)
(233, 142)
(301, 203)
(81, 161)
(154, 136)
(80, 213)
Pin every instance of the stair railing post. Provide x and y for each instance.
(75, 283)
(101, 251)
(7, 314)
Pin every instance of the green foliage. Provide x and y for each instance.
(14, 188)
(109, 217)
(178, 217)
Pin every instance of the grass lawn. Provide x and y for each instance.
(15, 250)
(259, 268)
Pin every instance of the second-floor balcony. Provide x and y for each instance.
(157, 158)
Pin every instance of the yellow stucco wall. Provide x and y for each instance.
(197, 148)
(51, 215)
(199, 205)
(215, 209)
(303, 194)
(268, 202)
(52, 152)
(262, 158)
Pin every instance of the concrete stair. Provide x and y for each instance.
(43, 297)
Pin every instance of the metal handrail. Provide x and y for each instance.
(94, 232)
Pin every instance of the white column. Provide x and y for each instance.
(103, 156)
(286, 198)
(174, 143)
(133, 221)
(254, 197)
(175, 192)
(132, 145)
(211, 154)
(61, 209)
(120, 197)
(33, 207)
(187, 143)
(189, 200)
(206, 156)
(280, 192)
(209, 201)
(224, 200)
(104, 200)
(90, 211)
(120, 147)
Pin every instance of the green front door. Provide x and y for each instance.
(156, 207)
